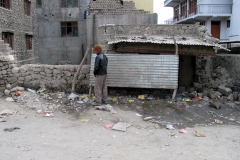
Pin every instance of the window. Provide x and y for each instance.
(228, 23)
(202, 23)
(39, 3)
(176, 13)
(8, 38)
(5, 3)
(69, 3)
(27, 7)
(28, 42)
(69, 29)
(184, 9)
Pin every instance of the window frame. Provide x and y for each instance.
(39, 6)
(228, 23)
(27, 7)
(66, 4)
(5, 4)
(29, 42)
(8, 37)
(65, 25)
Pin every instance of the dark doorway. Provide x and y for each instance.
(215, 29)
(186, 71)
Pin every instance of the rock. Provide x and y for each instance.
(17, 89)
(214, 94)
(55, 71)
(8, 86)
(215, 104)
(235, 96)
(85, 69)
(120, 126)
(28, 78)
(48, 71)
(192, 94)
(12, 80)
(7, 92)
(81, 77)
(230, 97)
(67, 73)
(15, 70)
(224, 90)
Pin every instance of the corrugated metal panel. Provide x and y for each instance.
(140, 71)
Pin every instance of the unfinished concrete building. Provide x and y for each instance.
(18, 29)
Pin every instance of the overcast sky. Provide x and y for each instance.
(163, 12)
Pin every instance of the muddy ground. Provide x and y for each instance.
(77, 132)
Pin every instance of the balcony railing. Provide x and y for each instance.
(204, 9)
(166, 2)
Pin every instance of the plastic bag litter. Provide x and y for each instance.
(169, 126)
(183, 131)
(72, 96)
(31, 90)
(199, 134)
(141, 97)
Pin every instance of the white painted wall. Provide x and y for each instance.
(215, 1)
(234, 33)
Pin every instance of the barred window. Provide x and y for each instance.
(69, 3)
(28, 42)
(5, 3)
(27, 7)
(8, 38)
(69, 29)
(39, 3)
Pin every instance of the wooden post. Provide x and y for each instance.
(176, 53)
(78, 70)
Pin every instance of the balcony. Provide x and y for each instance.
(203, 12)
(171, 3)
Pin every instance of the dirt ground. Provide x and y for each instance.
(65, 137)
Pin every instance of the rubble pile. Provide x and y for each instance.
(219, 87)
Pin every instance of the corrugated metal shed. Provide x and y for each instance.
(140, 71)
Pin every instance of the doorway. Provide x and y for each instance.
(215, 29)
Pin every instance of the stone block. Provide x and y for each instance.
(49, 75)
(85, 82)
(214, 94)
(37, 69)
(230, 97)
(55, 71)
(28, 78)
(85, 69)
(216, 104)
(12, 80)
(48, 71)
(224, 90)
(67, 73)
(15, 70)
(81, 77)
(23, 69)
(21, 79)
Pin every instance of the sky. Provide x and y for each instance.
(164, 13)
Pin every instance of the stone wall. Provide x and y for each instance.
(54, 77)
(15, 21)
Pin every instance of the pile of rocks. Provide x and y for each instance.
(219, 87)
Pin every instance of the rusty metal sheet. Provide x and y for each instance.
(140, 71)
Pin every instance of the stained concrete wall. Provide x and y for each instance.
(15, 21)
(52, 47)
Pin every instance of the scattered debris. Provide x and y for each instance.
(9, 99)
(183, 131)
(121, 126)
(39, 111)
(108, 125)
(148, 118)
(11, 129)
(141, 97)
(218, 121)
(131, 101)
(7, 112)
(18, 93)
(72, 96)
(169, 126)
(84, 120)
(107, 107)
(139, 115)
(199, 134)
(114, 99)
(31, 90)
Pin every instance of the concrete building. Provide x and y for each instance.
(62, 30)
(146, 5)
(220, 17)
(18, 29)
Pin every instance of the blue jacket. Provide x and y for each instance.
(100, 66)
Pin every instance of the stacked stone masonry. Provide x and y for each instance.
(114, 7)
(15, 21)
(54, 77)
